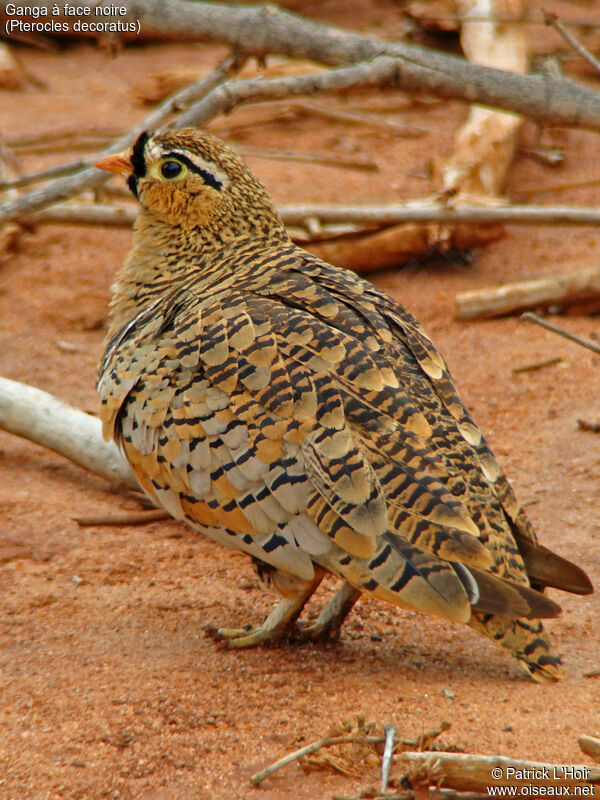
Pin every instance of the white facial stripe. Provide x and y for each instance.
(207, 166)
(154, 152)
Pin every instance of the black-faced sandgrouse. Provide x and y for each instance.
(287, 408)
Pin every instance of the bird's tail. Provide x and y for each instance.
(505, 611)
(526, 640)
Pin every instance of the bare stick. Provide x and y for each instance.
(45, 174)
(511, 297)
(356, 118)
(590, 745)
(553, 21)
(90, 177)
(133, 518)
(547, 362)
(543, 323)
(324, 741)
(46, 420)
(312, 158)
(86, 214)
(432, 211)
(386, 760)
(424, 211)
(475, 773)
(266, 29)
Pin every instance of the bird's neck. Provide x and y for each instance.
(163, 258)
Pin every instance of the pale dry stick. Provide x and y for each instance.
(309, 749)
(95, 135)
(62, 188)
(546, 362)
(431, 211)
(554, 22)
(475, 773)
(388, 752)
(511, 297)
(124, 216)
(356, 118)
(45, 174)
(260, 30)
(590, 745)
(132, 518)
(312, 158)
(486, 141)
(368, 216)
(529, 316)
(39, 417)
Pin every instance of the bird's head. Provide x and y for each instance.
(189, 179)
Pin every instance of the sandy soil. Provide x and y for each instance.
(109, 685)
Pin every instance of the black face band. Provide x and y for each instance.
(138, 162)
(132, 183)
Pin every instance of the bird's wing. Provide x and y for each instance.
(287, 432)
(504, 525)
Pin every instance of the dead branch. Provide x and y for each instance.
(486, 141)
(361, 733)
(39, 417)
(473, 773)
(590, 745)
(260, 30)
(366, 216)
(511, 297)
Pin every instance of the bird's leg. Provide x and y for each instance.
(332, 616)
(295, 594)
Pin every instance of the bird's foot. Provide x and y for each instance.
(241, 638)
(278, 624)
(330, 620)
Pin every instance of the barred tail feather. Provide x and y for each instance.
(526, 640)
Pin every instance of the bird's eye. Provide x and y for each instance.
(171, 169)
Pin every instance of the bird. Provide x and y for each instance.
(287, 408)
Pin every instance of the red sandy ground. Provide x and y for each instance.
(109, 685)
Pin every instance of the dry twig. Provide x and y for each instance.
(333, 737)
(543, 323)
(553, 21)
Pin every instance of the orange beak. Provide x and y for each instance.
(119, 163)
